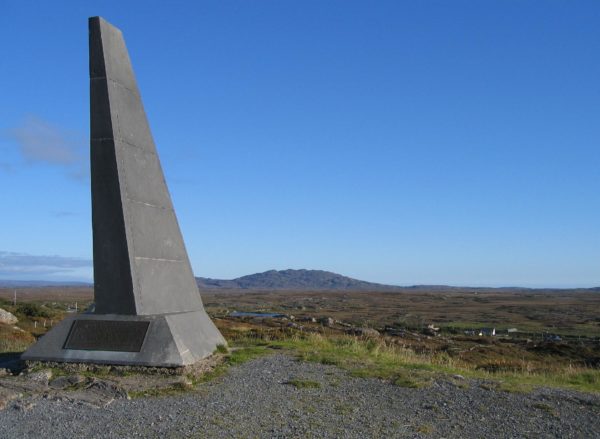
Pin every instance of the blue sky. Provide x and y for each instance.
(404, 142)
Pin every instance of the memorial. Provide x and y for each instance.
(148, 309)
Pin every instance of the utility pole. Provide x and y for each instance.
(15, 298)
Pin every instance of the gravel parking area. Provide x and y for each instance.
(256, 399)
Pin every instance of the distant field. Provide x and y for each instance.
(61, 294)
(563, 312)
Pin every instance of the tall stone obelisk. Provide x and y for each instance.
(148, 309)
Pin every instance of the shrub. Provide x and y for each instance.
(32, 310)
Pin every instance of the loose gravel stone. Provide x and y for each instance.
(253, 400)
(42, 377)
(64, 382)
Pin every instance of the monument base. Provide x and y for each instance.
(164, 340)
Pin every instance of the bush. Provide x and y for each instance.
(32, 310)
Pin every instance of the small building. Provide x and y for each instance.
(487, 332)
(327, 321)
(552, 337)
(432, 327)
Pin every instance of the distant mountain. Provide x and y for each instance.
(294, 280)
(326, 280)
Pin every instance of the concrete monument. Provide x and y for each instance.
(148, 309)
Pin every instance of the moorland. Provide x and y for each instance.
(407, 337)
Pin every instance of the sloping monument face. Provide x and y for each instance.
(148, 308)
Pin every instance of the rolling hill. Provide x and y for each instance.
(294, 280)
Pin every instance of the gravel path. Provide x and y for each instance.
(254, 400)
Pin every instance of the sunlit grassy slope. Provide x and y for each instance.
(380, 358)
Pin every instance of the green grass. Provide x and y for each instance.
(222, 349)
(241, 355)
(175, 389)
(380, 358)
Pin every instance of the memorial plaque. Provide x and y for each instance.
(107, 335)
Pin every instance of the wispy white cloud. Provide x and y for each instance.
(42, 142)
(25, 266)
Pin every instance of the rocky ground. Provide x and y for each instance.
(277, 397)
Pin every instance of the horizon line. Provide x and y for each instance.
(87, 282)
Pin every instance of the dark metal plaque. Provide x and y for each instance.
(107, 335)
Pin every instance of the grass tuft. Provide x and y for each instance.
(222, 349)
(425, 429)
(546, 408)
(304, 384)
